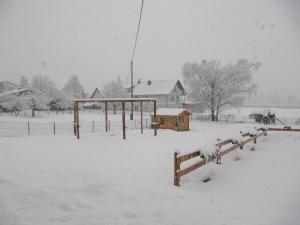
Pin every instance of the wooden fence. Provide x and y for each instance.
(180, 158)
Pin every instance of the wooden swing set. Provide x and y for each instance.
(123, 101)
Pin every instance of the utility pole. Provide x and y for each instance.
(131, 62)
(131, 89)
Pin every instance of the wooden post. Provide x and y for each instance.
(28, 128)
(74, 122)
(105, 112)
(254, 140)
(141, 117)
(154, 118)
(93, 126)
(54, 131)
(123, 120)
(176, 170)
(77, 120)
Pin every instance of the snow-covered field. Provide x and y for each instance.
(102, 179)
(93, 121)
(43, 123)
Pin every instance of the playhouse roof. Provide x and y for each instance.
(171, 111)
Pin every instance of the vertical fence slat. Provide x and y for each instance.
(28, 128)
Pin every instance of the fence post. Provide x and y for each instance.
(54, 130)
(176, 169)
(28, 128)
(134, 123)
(146, 122)
(93, 126)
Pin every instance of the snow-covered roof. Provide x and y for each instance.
(96, 93)
(171, 111)
(7, 86)
(15, 92)
(156, 87)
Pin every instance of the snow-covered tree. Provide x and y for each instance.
(11, 103)
(113, 89)
(34, 102)
(217, 86)
(73, 88)
(24, 82)
(44, 91)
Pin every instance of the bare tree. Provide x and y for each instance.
(218, 87)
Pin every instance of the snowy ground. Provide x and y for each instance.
(43, 123)
(93, 121)
(102, 179)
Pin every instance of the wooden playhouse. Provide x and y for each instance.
(173, 118)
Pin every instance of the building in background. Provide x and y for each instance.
(168, 93)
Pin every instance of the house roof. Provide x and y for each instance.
(96, 91)
(15, 92)
(171, 111)
(157, 87)
(7, 86)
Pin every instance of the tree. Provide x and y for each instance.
(217, 86)
(44, 91)
(24, 82)
(73, 88)
(11, 103)
(113, 89)
(34, 103)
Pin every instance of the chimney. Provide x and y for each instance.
(149, 82)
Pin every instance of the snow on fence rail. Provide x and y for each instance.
(215, 152)
(25, 128)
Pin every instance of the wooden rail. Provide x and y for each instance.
(178, 158)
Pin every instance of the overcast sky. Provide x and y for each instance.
(94, 39)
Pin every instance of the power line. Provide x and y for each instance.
(138, 29)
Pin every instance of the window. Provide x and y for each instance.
(162, 121)
(172, 98)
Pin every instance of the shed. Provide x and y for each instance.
(173, 118)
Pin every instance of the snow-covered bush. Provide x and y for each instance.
(209, 151)
(237, 140)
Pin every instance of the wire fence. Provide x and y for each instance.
(226, 118)
(244, 119)
(25, 128)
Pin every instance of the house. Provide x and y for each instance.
(10, 91)
(6, 86)
(173, 118)
(96, 94)
(17, 92)
(168, 93)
